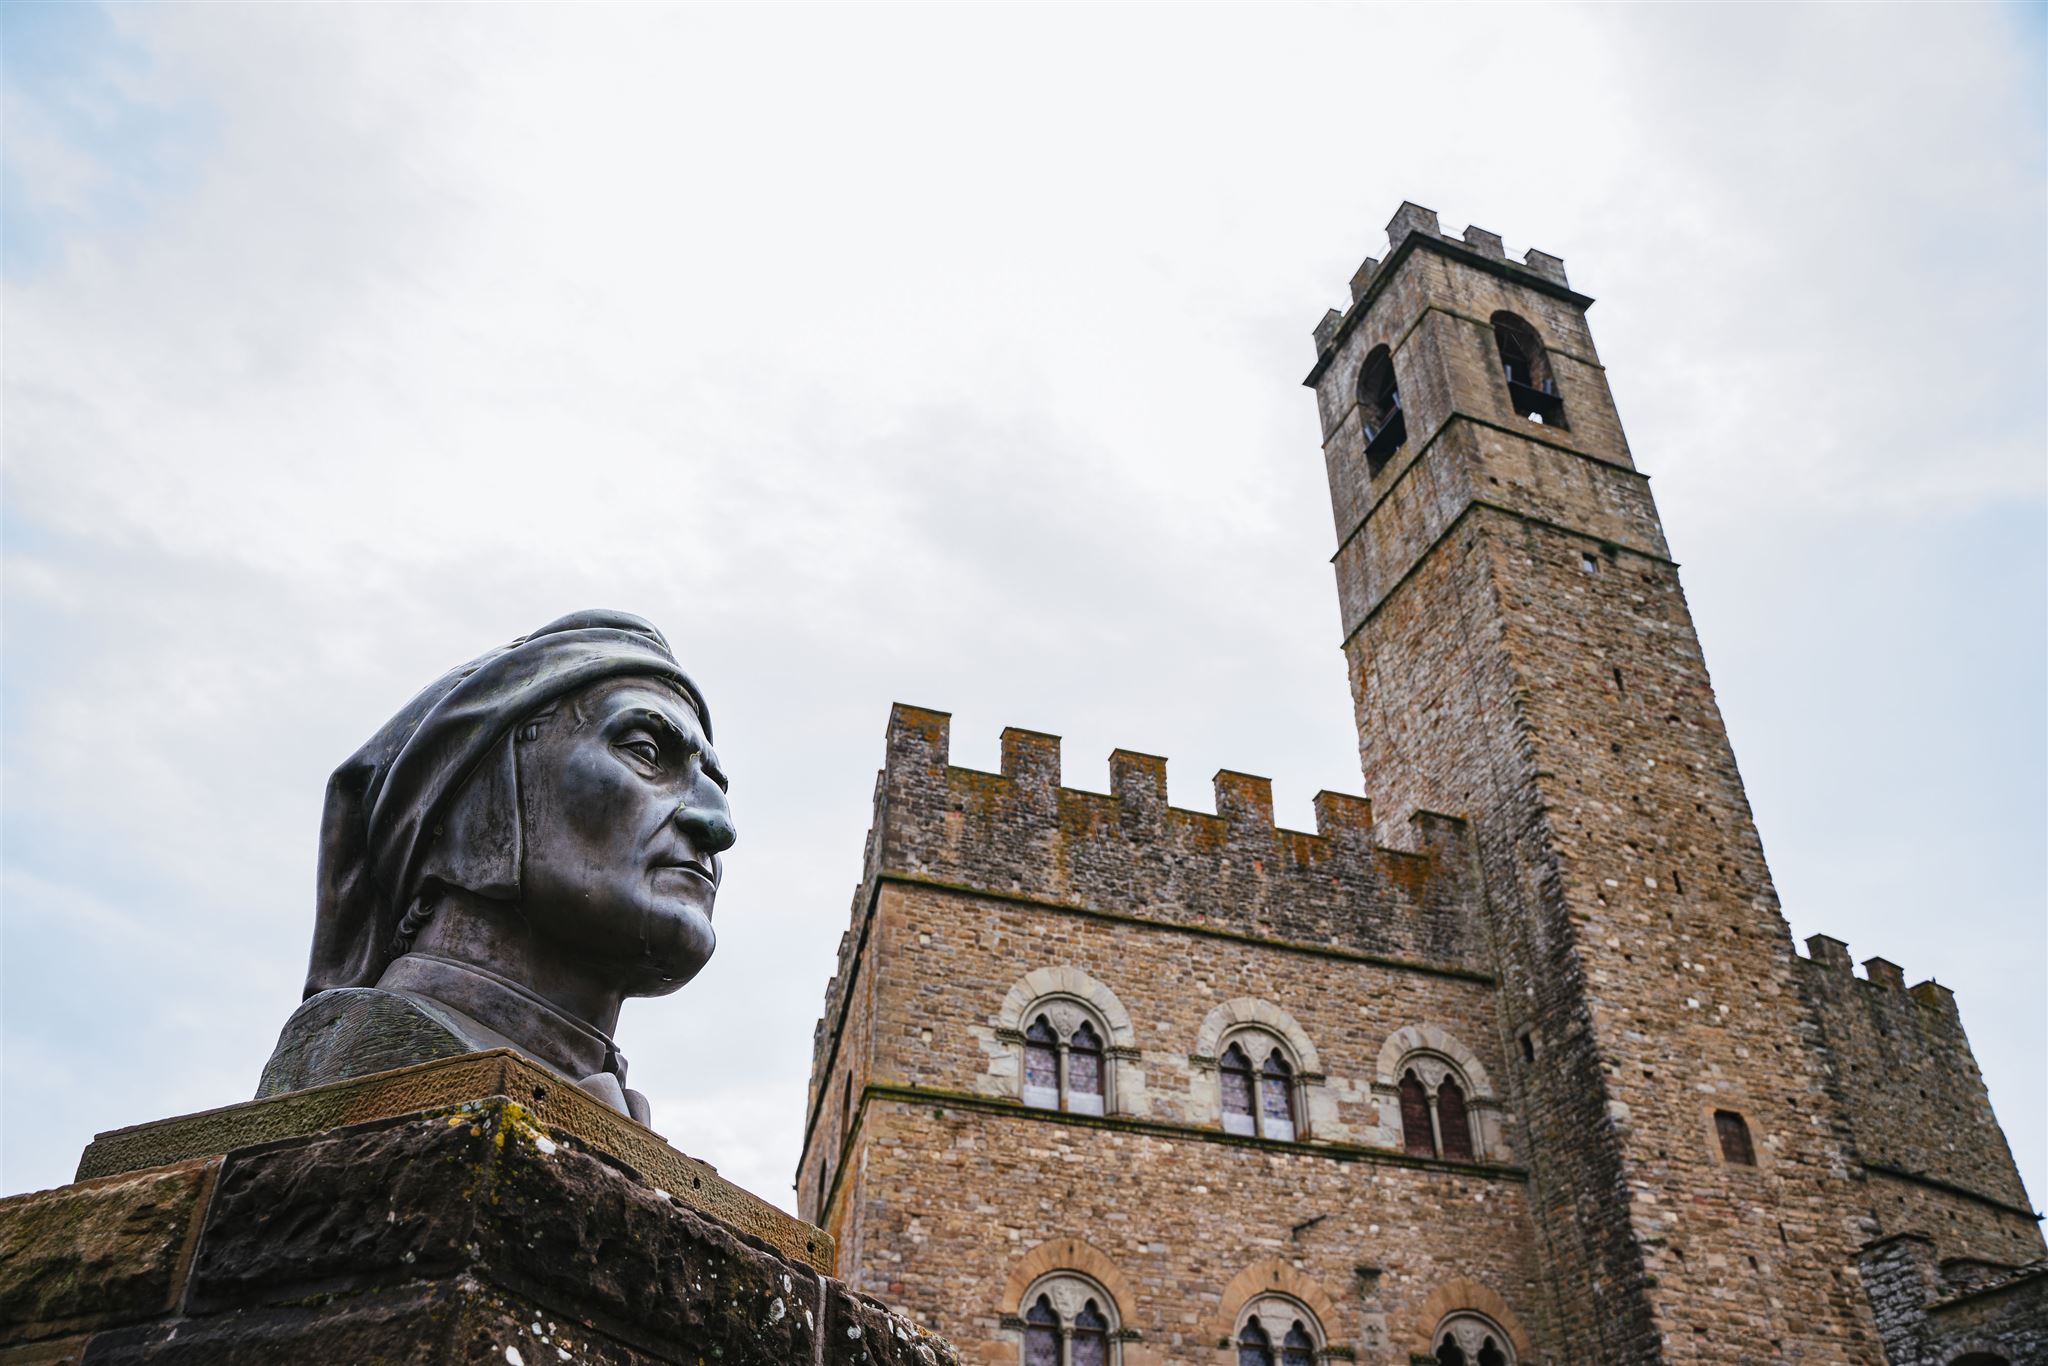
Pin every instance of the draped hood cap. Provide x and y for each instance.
(435, 790)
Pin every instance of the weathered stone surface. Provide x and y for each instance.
(469, 1233)
(389, 1200)
(454, 1082)
(574, 1231)
(99, 1250)
(462, 1323)
(862, 1332)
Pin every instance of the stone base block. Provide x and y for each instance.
(500, 1226)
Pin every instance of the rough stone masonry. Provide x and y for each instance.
(1540, 1079)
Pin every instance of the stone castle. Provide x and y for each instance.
(1518, 1067)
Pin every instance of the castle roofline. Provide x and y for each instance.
(1414, 227)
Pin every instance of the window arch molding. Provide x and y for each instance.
(1436, 1099)
(1067, 1319)
(1272, 1282)
(1084, 1017)
(1231, 1016)
(1257, 1053)
(1068, 1271)
(1476, 1302)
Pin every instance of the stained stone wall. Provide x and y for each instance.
(984, 903)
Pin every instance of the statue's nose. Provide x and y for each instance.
(708, 824)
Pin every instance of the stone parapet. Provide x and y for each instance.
(473, 1210)
(1129, 851)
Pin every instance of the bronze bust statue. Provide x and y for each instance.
(532, 839)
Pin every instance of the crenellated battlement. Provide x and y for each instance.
(1412, 220)
(1900, 1065)
(1130, 851)
(1826, 954)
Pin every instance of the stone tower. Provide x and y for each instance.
(1520, 652)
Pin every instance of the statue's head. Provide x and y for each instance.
(622, 817)
(566, 780)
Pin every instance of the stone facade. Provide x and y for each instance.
(1541, 1081)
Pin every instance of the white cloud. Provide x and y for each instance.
(949, 356)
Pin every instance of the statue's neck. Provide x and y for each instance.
(495, 937)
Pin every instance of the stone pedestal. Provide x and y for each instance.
(474, 1210)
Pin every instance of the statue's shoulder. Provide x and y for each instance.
(354, 1031)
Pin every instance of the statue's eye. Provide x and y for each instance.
(644, 750)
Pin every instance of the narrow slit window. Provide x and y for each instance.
(1041, 1066)
(1733, 1131)
(1084, 1072)
(1237, 1092)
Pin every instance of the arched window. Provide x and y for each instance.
(1091, 1337)
(1042, 1065)
(1259, 1082)
(1084, 1071)
(1268, 1317)
(1468, 1339)
(1379, 407)
(1435, 1120)
(1254, 1344)
(1041, 1334)
(1071, 1321)
(1451, 1121)
(1417, 1137)
(1276, 1097)
(1237, 1092)
(1066, 1060)
(1532, 389)
(1733, 1131)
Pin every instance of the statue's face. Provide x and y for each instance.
(624, 816)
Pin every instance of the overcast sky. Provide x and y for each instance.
(953, 356)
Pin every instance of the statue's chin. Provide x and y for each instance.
(675, 955)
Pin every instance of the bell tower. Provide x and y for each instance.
(1521, 654)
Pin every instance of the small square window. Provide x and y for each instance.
(1589, 562)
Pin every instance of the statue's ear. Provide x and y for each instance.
(476, 840)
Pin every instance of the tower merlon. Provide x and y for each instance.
(1883, 972)
(1245, 802)
(919, 736)
(1829, 952)
(1339, 815)
(1031, 759)
(1412, 224)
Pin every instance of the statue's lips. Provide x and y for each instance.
(688, 870)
